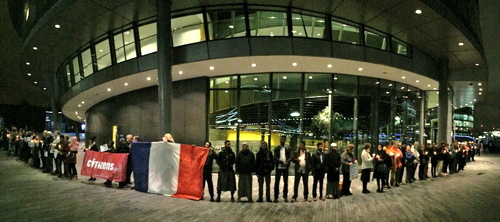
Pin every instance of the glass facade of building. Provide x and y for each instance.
(313, 107)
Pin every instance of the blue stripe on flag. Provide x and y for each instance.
(140, 165)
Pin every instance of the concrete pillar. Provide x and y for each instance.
(165, 60)
(443, 108)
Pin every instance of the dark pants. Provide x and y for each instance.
(207, 178)
(346, 183)
(279, 173)
(36, 157)
(59, 161)
(409, 172)
(446, 162)
(453, 166)
(332, 188)
(318, 179)
(365, 178)
(399, 176)
(422, 171)
(50, 160)
(305, 182)
(434, 168)
(267, 179)
(72, 169)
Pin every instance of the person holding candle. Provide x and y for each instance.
(397, 166)
(347, 159)
(434, 159)
(366, 167)
(441, 153)
(410, 164)
(424, 161)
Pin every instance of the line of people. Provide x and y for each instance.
(388, 164)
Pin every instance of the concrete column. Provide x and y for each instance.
(443, 108)
(423, 103)
(165, 60)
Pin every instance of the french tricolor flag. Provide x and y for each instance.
(169, 168)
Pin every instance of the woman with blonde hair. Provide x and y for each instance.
(71, 157)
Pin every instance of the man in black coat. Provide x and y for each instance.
(264, 165)
(245, 164)
(282, 159)
(318, 170)
(226, 180)
(207, 170)
(302, 160)
(332, 162)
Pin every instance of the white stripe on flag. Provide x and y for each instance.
(164, 168)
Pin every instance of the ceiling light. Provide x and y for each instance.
(387, 92)
(329, 65)
(68, 73)
(100, 50)
(310, 77)
(79, 105)
(318, 34)
(125, 84)
(294, 31)
(57, 26)
(83, 102)
(470, 102)
(284, 77)
(480, 89)
(403, 77)
(294, 114)
(227, 82)
(477, 64)
(335, 78)
(127, 32)
(417, 81)
(377, 83)
(212, 68)
(460, 43)
(255, 79)
(409, 90)
(479, 84)
(474, 100)
(434, 88)
(35, 82)
(180, 72)
(294, 64)
(254, 65)
(148, 78)
(360, 69)
(231, 26)
(300, 33)
(390, 84)
(418, 11)
(402, 87)
(44, 88)
(428, 85)
(480, 93)
(109, 89)
(29, 74)
(35, 48)
(27, 63)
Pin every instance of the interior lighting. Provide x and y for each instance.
(57, 26)
(294, 64)
(310, 77)
(83, 102)
(480, 93)
(329, 66)
(79, 105)
(109, 89)
(231, 26)
(68, 73)
(35, 82)
(254, 65)
(35, 48)
(212, 68)
(402, 87)
(434, 88)
(127, 32)
(255, 79)
(376, 83)
(418, 11)
(417, 81)
(180, 72)
(148, 78)
(480, 89)
(477, 64)
(390, 84)
(295, 114)
(284, 77)
(44, 88)
(479, 84)
(27, 63)
(428, 85)
(403, 77)
(360, 69)
(460, 43)
(29, 74)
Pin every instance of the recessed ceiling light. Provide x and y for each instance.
(29, 74)
(360, 69)
(109, 89)
(335, 78)
(403, 77)
(402, 87)
(100, 50)
(409, 90)
(480, 89)
(390, 84)
(460, 43)
(35, 48)
(294, 64)
(35, 82)
(180, 72)
(428, 85)
(417, 81)
(387, 92)
(27, 63)
(434, 88)
(318, 34)
(310, 77)
(231, 26)
(477, 64)
(83, 102)
(418, 11)
(254, 65)
(79, 105)
(329, 66)
(125, 84)
(284, 77)
(44, 88)
(480, 93)
(474, 100)
(68, 73)
(479, 84)
(377, 83)
(212, 68)
(57, 26)
(470, 102)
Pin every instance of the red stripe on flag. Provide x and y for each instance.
(190, 181)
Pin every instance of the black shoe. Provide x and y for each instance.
(232, 199)
(260, 200)
(218, 199)
(59, 176)
(286, 200)
(211, 199)
(269, 200)
(396, 185)
(276, 200)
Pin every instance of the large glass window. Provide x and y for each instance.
(68, 76)
(399, 47)
(103, 54)
(226, 24)
(375, 39)
(268, 23)
(147, 35)
(345, 33)
(76, 70)
(308, 26)
(188, 29)
(125, 46)
(87, 63)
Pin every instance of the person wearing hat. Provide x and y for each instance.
(332, 163)
(245, 163)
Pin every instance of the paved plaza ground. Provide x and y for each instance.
(26, 194)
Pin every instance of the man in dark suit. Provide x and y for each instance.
(282, 159)
(318, 170)
(302, 160)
